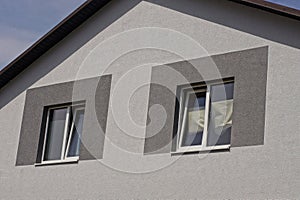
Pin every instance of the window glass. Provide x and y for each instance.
(74, 143)
(55, 134)
(205, 117)
(63, 133)
(220, 115)
(194, 122)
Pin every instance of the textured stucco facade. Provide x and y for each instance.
(126, 39)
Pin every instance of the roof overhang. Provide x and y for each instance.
(85, 11)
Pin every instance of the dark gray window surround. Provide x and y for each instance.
(95, 92)
(248, 68)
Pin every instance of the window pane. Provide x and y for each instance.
(194, 123)
(55, 134)
(76, 133)
(221, 107)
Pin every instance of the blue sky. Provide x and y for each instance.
(22, 22)
(289, 3)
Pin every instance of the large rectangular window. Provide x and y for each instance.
(205, 116)
(62, 133)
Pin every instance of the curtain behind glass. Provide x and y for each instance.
(220, 114)
(195, 119)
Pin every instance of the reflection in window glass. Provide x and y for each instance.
(195, 119)
(76, 134)
(55, 134)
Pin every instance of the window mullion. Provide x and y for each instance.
(206, 117)
(65, 133)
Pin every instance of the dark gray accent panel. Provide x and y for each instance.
(249, 70)
(95, 92)
(161, 140)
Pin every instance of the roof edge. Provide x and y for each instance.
(272, 7)
(50, 39)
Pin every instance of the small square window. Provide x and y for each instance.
(62, 134)
(205, 117)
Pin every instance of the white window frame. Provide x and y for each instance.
(183, 107)
(70, 108)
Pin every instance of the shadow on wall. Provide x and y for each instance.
(109, 14)
(250, 20)
(240, 17)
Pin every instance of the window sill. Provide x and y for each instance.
(189, 150)
(57, 162)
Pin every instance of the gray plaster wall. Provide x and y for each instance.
(183, 30)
